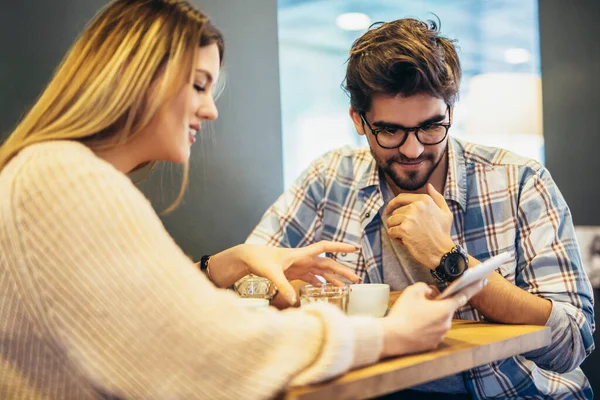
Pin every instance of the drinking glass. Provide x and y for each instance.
(327, 293)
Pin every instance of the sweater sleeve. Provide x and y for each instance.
(116, 297)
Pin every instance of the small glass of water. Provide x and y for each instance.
(327, 293)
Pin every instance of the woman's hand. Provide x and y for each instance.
(418, 323)
(281, 265)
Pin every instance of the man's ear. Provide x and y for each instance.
(358, 123)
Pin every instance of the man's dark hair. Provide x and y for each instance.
(404, 57)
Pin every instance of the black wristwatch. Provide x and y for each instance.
(452, 265)
(204, 262)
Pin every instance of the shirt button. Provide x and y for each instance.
(367, 215)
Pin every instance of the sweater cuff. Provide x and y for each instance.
(368, 340)
(350, 342)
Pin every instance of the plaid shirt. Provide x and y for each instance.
(500, 201)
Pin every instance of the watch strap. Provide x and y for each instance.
(204, 262)
(439, 272)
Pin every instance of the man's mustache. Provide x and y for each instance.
(402, 159)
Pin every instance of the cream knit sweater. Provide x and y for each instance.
(97, 300)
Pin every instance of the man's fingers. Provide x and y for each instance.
(395, 219)
(403, 199)
(396, 232)
(437, 197)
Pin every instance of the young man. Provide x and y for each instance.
(423, 206)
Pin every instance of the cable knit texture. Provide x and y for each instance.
(97, 300)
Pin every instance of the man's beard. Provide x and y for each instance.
(413, 180)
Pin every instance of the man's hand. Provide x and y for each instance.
(421, 222)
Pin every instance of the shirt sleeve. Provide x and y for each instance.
(294, 219)
(564, 334)
(549, 265)
(115, 296)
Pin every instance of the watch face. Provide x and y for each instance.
(454, 265)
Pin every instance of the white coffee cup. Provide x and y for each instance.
(370, 299)
(253, 303)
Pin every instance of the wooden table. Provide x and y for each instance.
(468, 344)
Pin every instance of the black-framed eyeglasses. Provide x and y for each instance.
(427, 134)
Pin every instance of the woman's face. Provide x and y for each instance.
(172, 131)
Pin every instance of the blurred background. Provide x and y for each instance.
(498, 45)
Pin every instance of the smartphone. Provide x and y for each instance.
(475, 274)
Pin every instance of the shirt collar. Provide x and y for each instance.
(369, 176)
(455, 188)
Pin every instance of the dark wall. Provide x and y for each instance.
(569, 34)
(570, 49)
(34, 36)
(236, 166)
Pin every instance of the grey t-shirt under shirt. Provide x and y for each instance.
(400, 270)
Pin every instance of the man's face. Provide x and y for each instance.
(411, 165)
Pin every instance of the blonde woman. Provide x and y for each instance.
(96, 299)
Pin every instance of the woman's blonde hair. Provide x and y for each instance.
(103, 93)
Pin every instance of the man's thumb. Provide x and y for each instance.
(437, 197)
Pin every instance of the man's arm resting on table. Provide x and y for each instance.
(501, 301)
